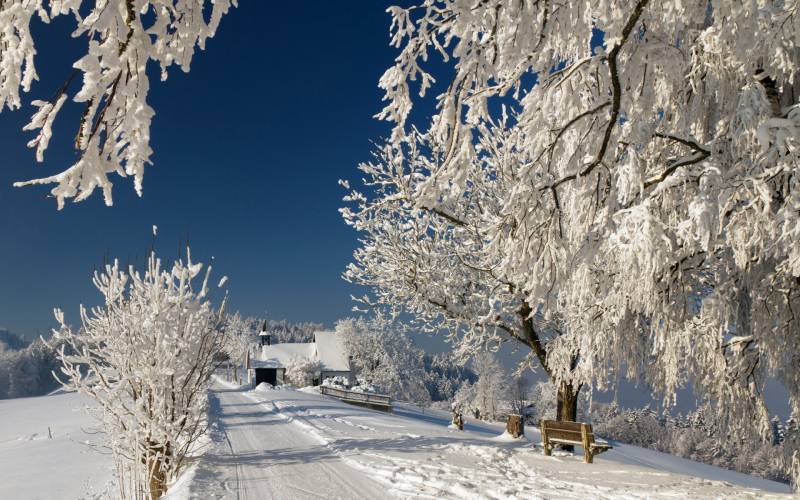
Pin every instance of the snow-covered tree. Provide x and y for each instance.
(491, 390)
(627, 169)
(490, 396)
(445, 374)
(462, 400)
(11, 341)
(519, 393)
(384, 356)
(301, 371)
(543, 402)
(28, 371)
(240, 338)
(122, 38)
(145, 357)
(440, 265)
(283, 331)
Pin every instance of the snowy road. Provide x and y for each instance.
(267, 456)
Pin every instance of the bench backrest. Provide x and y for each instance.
(570, 431)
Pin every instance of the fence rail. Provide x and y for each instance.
(357, 397)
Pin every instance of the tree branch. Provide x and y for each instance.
(616, 95)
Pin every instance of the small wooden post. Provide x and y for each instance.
(458, 420)
(514, 426)
(545, 444)
(587, 449)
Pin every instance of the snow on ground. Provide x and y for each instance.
(35, 466)
(259, 453)
(299, 444)
(622, 453)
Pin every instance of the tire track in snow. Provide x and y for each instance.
(264, 455)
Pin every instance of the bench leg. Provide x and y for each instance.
(587, 447)
(545, 444)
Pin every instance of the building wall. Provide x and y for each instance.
(280, 376)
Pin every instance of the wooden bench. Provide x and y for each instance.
(575, 433)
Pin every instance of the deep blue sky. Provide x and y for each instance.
(248, 149)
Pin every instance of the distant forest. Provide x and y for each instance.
(26, 368)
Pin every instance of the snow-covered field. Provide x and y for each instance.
(35, 466)
(298, 444)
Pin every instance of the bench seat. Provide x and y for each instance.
(571, 433)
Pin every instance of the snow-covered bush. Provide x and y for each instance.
(145, 358)
(301, 371)
(361, 385)
(337, 382)
(491, 388)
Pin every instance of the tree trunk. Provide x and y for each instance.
(567, 402)
(158, 480)
(157, 462)
(567, 406)
(514, 426)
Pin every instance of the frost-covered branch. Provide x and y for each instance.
(123, 37)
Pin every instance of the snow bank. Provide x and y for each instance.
(266, 387)
(508, 438)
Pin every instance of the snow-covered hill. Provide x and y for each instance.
(44, 452)
(298, 444)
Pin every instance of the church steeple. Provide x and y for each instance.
(263, 335)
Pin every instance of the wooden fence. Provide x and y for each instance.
(378, 401)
